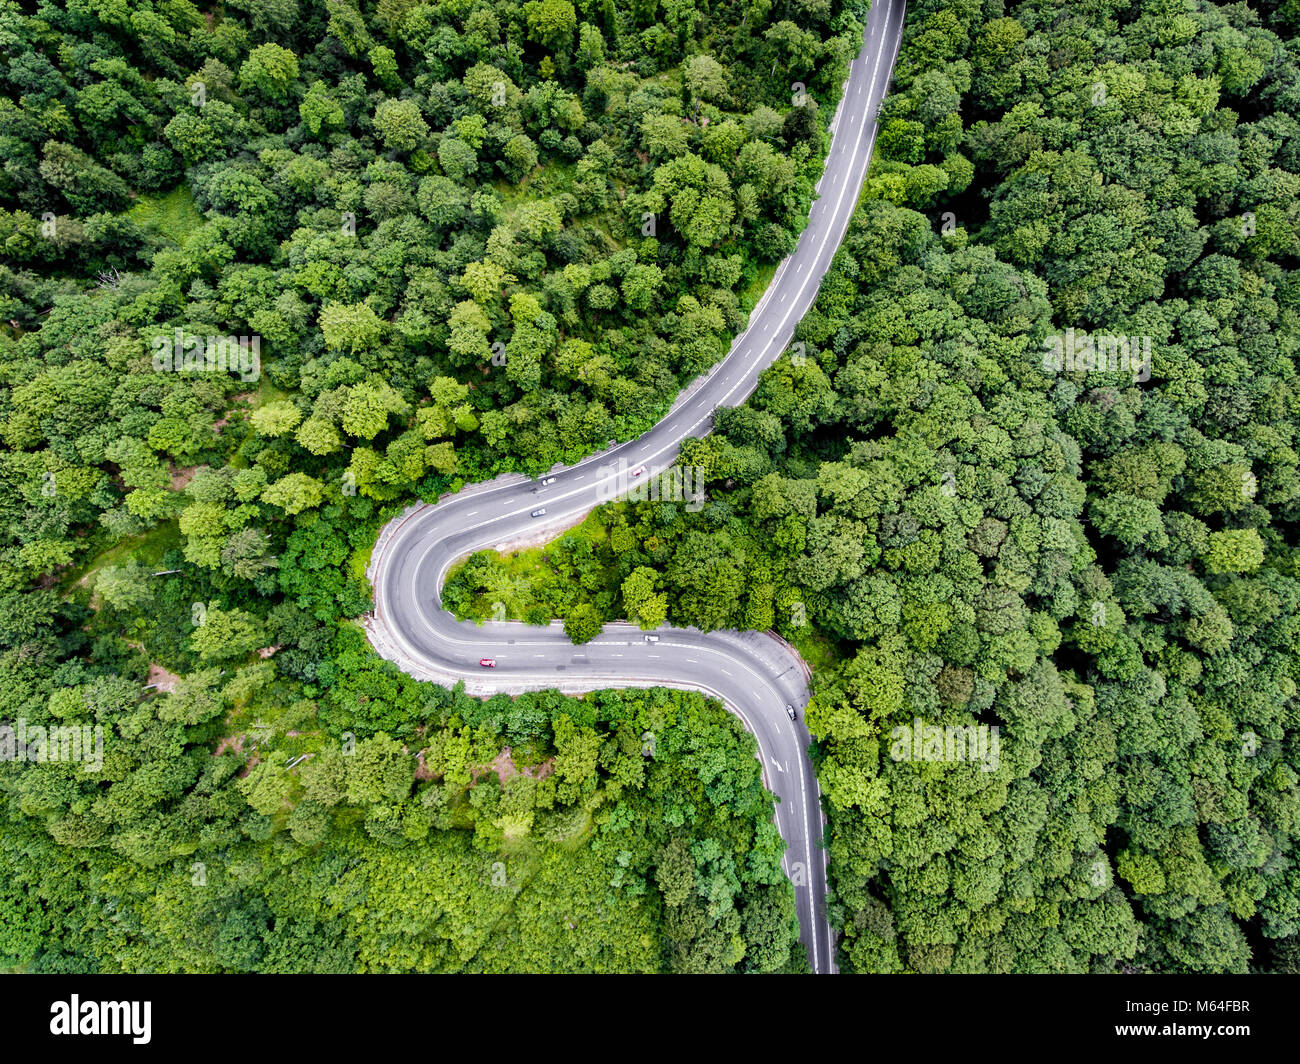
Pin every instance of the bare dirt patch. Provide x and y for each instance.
(505, 768)
(421, 769)
(230, 742)
(161, 678)
(181, 477)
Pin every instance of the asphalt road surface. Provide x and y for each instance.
(755, 676)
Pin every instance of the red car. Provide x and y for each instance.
(638, 471)
(488, 663)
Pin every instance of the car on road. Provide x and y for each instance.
(539, 512)
(488, 663)
(638, 471)
(548, 480)
(789, 712)
(652, 639)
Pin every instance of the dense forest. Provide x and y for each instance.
(1098, 556)
(433, 242)
(269, 271)
(621, 832)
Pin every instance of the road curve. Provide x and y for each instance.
(755, 676)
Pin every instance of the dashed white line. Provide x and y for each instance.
(749, 347)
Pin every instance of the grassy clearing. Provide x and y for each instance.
(359, 561)
(147, 548)
(549, 179)
(266, 393)
(753, 292)
(818, 650)
(169, 216)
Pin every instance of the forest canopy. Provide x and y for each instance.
(269, 273)
(1097, 558)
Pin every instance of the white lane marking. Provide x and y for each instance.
(809, 277)
(738, 354)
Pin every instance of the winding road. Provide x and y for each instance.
(755, 676)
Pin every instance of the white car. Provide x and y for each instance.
(652, 639)
(548, 480)
(539, 512)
